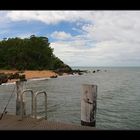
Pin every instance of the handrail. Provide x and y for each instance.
(35, 101)
(32, 104)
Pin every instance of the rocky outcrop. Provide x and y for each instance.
(5, 77)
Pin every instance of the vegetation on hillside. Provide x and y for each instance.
(33, 53)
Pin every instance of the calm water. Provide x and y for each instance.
(118, 97)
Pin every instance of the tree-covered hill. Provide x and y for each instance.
(32, 53)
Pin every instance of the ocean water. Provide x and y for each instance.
(118, 97)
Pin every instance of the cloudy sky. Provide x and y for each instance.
(81, 38)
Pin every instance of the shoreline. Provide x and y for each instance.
(37, 74)
(31, 74)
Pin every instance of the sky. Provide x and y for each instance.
(80, 38)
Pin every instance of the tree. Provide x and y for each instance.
(33, 53)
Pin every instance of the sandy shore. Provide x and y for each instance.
(32, 73)
(39, 74)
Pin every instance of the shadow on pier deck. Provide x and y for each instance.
(12, 122)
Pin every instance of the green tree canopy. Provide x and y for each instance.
(32, 53)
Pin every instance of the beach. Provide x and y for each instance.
(30, 74)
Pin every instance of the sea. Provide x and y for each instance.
(118, 97)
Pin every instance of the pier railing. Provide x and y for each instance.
(22, 100)
(35, 103)
(21, 103)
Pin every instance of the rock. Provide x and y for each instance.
(54, 76)
(3, 78)
(93, 71)
(22, 77)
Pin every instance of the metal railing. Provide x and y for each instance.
(35, 103)
(32, 102)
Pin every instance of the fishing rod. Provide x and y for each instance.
(4, 111)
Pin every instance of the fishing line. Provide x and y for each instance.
(4, 111)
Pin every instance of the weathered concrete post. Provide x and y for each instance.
(88, 105)
(20, 87)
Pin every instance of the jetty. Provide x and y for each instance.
(13, 122)
(23, 121)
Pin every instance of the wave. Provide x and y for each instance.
(33, 79)
(36, 79)
(11, 83)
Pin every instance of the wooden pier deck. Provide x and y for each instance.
(12, 122)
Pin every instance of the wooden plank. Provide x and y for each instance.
(11, 122)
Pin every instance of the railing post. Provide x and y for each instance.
(20, 86)
(88, 105)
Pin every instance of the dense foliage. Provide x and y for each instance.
(32, 53)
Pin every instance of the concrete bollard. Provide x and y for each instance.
(88, 105)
